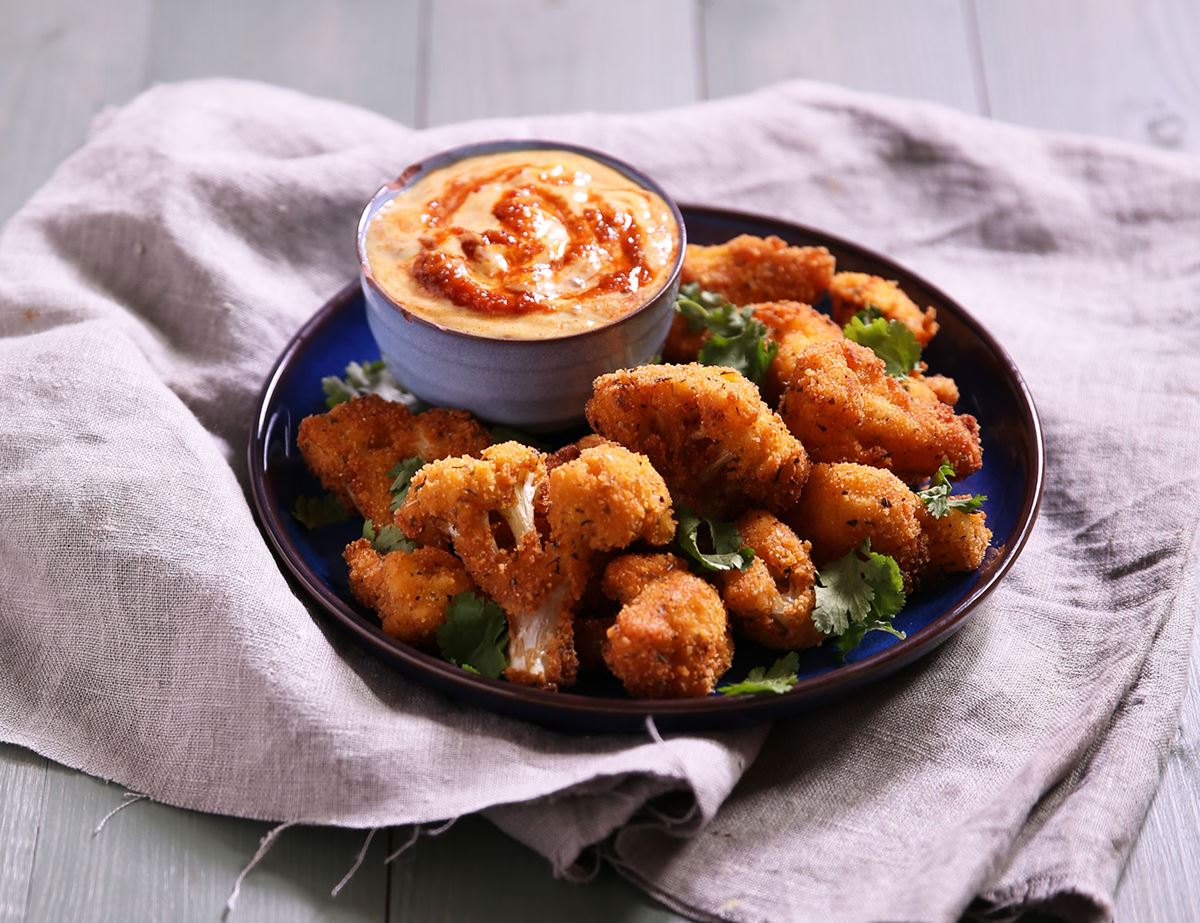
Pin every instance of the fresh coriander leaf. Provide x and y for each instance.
(387, 538)
(474, 635)
(868, 314)
(890, 340)
(314, 512)
(736, 339)
(403, 472)
(362, 378)
(860, 592)
(778, 678)
(729, 552)
(938, 501)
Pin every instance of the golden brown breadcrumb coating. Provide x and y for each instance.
(748, 270)
(843, 504)
(957, 541)
(486, 509)
(794, 326)
(842, 405)
(613, 495)
(931, 388)
(672, 640)
(408, 590)
(771, 602)
(852, 292)
(352, 447)
(706, 430)
(625, 577)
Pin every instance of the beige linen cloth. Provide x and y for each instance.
(148, 636)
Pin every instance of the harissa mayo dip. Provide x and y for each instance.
(523, 245)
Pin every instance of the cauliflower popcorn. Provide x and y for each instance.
(852, 292)
(957, 541)
(626, 576)
(706, 430)
(771, 602)
(749, 269)
(843, 504)
(672, 640)
(608, 498)
(352, 448)
(840, 402)
(536, 567)
(408, 590)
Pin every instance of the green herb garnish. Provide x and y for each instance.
(890, 340)
(402, 474)
(729, 552)
(778, 678)
(859, 592)
(362, 378)
(736, 340)
(474, 635)
(387, 538)
(314, 512)
(938, 501)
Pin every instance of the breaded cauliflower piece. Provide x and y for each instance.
(852, 292)
(748, 270)
(957, 541)
(931, 388)
(487, 510)
(842, 405)
(771, 602)
(612, 496)
(352, 447)
(672, 640)
(706, 430)
(789, 322)
(625, 577)
(408, 590)
(843, 504)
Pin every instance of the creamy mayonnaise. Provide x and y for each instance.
(523, 245)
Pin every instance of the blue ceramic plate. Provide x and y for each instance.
(992, 390)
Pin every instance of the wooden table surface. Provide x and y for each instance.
(1127, 69)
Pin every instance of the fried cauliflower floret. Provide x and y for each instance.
(932, 388)
(792, 324)
(842, 405)
(843, 504)
(957, 541)
(706, 430)
(771, 602)
(672, 640)
(613, 496)
(852, 292)
(352, 448)
(748, 270)
(626, 576)
(487, 510)
(408, 590)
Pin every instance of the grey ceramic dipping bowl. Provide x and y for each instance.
(534, 384)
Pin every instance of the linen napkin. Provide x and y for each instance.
(147, 635)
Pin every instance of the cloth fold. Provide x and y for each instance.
(147, 635)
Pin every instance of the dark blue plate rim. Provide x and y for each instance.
(566, 709)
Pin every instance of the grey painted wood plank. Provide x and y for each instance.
(1112, 67)
(536, 56)
(917, 49)
(153, 862)
(22, 785)
(363, 52)
(475, 872)
(1161, 883)
(61, 62)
